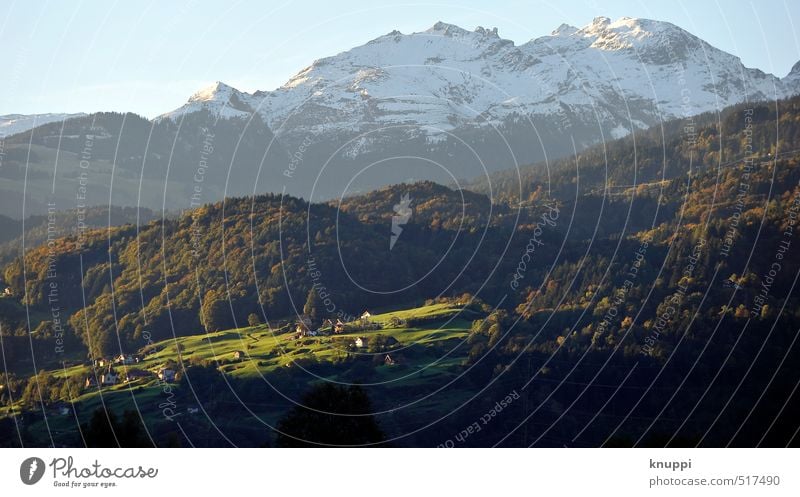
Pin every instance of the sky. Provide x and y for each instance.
(148, 57)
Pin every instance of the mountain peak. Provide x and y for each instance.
(604, 25)
(487, 32)
(629, 32)
(219, 98)
(445, 29)
(564, 30)
(215, 91)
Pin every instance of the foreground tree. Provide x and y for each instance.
(104, 430)
(330, 415)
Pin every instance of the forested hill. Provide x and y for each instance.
(252, 255)
(213, 266)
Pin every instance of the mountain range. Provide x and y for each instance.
(634, 72)
(11, 124)
(444, 104)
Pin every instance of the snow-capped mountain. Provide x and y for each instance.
(12, 124)
(445, 104)
(629, 72)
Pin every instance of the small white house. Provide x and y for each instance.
(109, 377)
(361, 342)
(366, 315)
(126, 359)
(166, 374)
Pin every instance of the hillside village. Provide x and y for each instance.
(389, 339)
(121, 369)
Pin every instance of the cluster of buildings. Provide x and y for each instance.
(303, 327)
(123, 359)
(105, 374)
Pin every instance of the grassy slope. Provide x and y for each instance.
(423, 369)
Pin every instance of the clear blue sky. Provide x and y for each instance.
(148, 57)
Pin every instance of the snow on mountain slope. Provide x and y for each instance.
(11, 124)
(438, 79)
(650, 67)
(619, 75)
